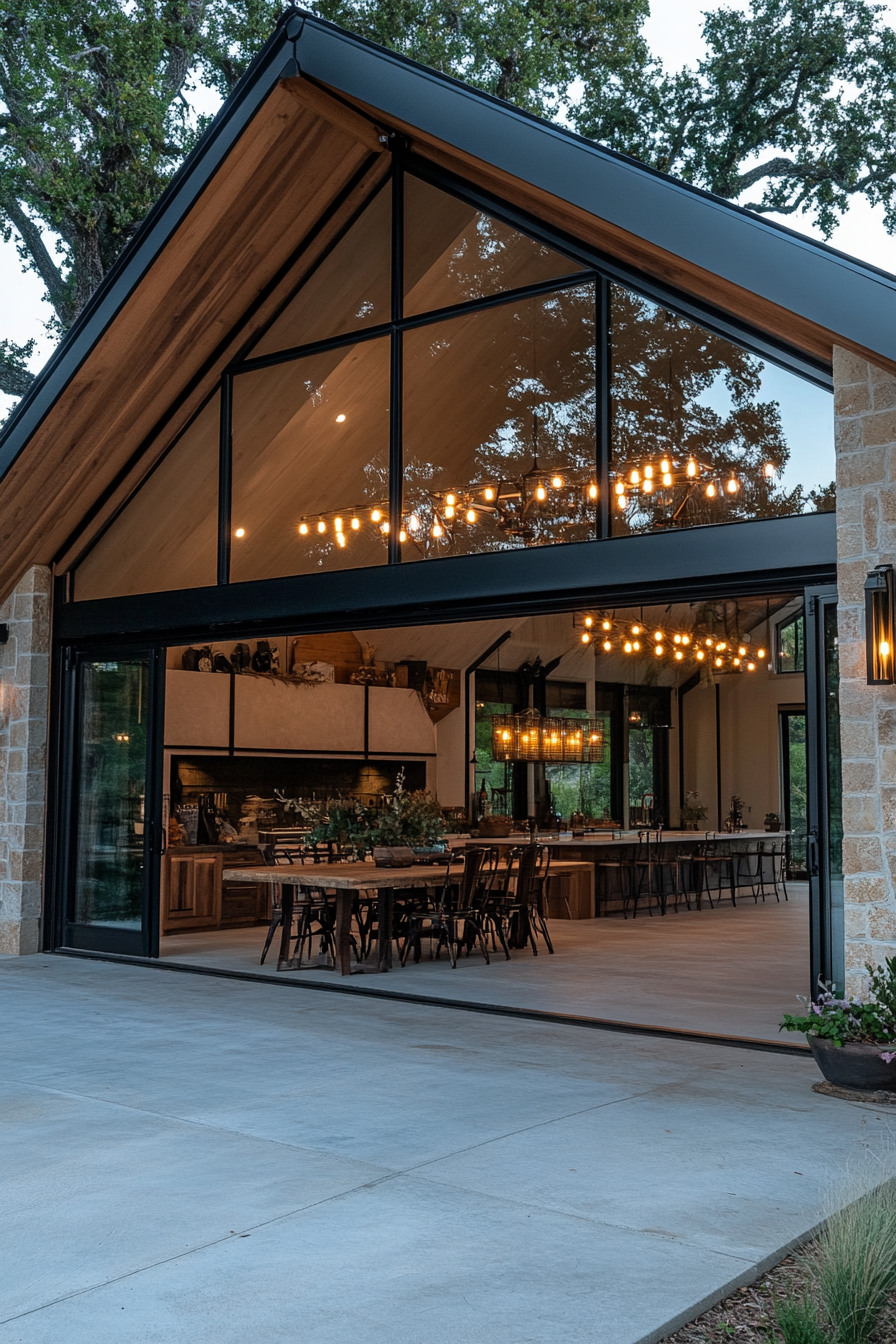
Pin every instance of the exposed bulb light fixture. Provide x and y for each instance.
(303, 529)
(240, 532)
(470, 515)
(340, 419)
(557, 482)
(321, 526)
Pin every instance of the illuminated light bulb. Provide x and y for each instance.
(751, 667)
(736, 662)
(768, 469)
(732, 486)
(337, 524)
(718, 662)
(636, 629)
(607, 646)
(708, 643)
(700, 655)
(665, 465)
(721, 646)
(489, 493)
(402, 535)
(658, 636)
(685, 639)
(691, 468)
(636, 646)
(760, 653)
(437, 530)
(557, 482)
(648, 472)
(303, 529)
(240, 532)
(450, 499)
(449, 511)
(606, 625)
(658, 649)
(340, 419)
(621, 500)
(505, 736)
(677, 639)
(627, 646)
(588, 621)
(384, 528)
(356, 523)
(648, 487)
(541, 493)
(470, 515)
(321, 527)
(635, 477)
(667, 478)
(678, 654)
(586, 638)
(592, 491)
(619, 488)
(711, 491)
(375, 516)
(742, 651)
(340, 537)
(413, 523)
(884, 648)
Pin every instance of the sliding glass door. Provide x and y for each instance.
(111, 808)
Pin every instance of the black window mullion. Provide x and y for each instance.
(396, 461)
(225, 479)
(603, 444)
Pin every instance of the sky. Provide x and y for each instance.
(673, 32)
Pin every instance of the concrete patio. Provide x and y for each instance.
(400, 1174)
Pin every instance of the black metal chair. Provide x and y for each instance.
(314, 909)
(457, 920)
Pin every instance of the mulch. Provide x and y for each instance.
(748, 1316)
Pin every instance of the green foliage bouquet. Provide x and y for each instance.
(871, 1020)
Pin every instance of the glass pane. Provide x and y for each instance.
(496, 775)
(350, 289)
(167, 535)
(641, 770)
(311, 459)
(834, 781)
(499, 428)
(704, 432)
(795, 780)
(453, 252)
(110, 791)
(586, 789)
(791, 646)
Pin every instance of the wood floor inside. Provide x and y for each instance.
(727, 971)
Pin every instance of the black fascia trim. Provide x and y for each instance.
(611, 268)
(765, 555)
(275, 61)
(839, 293)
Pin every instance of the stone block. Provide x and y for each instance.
(871, 520)
(860, 776)
(852, 399)
(851, 576)
(868, 467)
(856, 921)
(848, 435)
(888, 808)
(882, 924)
(852, 659)
(878, 428)
(865, 890)
(883, 389)
(862, 854)
(886, 726)
(886, 765)
(849, 367)
(861, 814)
(850, 541)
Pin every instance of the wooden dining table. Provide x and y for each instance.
(346, 879)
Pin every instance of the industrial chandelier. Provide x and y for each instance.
(531, 737)
(672, 479)
(721, 653)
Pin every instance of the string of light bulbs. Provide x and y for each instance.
(635, 638)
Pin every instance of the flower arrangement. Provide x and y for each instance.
(414, 819)
(871, 1021)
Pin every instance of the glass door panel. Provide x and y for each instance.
(794, 788)
(112, 865)
(824, 800)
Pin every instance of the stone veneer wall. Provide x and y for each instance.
(24, 684)
(865, 417)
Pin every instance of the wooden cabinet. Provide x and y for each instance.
(191, 891)
(194, 896)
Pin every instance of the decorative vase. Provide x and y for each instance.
(855, 1064)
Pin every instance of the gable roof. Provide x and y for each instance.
(296, 147)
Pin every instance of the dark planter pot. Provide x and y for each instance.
(854, 1065)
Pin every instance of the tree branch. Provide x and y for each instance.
(43, 263)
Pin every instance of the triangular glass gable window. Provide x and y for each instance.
(166, 536)
(454, 253)
(348, 291)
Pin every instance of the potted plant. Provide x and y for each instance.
(772, 821)
(853, 1040)
(693, 811)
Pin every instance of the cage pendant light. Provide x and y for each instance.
(531, 737)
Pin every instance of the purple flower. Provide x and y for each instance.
(888, 1056)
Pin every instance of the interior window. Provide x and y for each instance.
(790, 646)
(350, 289)
(454, 252)
(167, 535)
(499, 427)
(311, 464)
(705, 432)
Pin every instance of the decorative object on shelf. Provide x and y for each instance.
(313, 674)
(189, 660)
(853, 1040)
(693, 811)
(879, 623)
(188, 816)
(718, 653)
(772, 821)
(177, 833)
(220, 663)
(735, 819)
(241, 658)
(261, 658)
(531, 737)
(205, 660)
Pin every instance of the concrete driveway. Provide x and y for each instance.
(197, 1159)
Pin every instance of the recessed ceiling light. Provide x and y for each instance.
(340, 419)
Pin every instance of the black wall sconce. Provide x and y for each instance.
(879, 626)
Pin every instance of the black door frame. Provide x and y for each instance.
(826, 907)
(61, 930)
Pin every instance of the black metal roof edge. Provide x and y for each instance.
(840, 293)
(187, 184)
